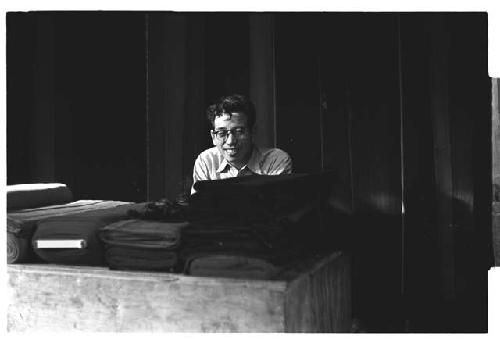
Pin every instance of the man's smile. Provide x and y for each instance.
(231, 151)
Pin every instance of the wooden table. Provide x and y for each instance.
(314, 297)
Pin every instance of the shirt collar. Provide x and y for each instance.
(252, 164)
(222, 165)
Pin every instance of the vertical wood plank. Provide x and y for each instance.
(196, 137)
(320, 301)
(167, 83)
(374, 84)
(297, 89)
(336, 108)
(442, 151)
(175, 100)
(470, 102)
(20, 41)
(422, 269)
(156, 87)
(65, 145)
(261, 65)
(44, 103)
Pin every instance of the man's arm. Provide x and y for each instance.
(200, 172)
(282, 163)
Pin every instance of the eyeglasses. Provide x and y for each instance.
(223, 134)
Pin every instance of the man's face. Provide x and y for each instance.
(235, 146)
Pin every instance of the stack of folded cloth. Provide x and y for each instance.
(137, 244)
(230, 265)
(257, 197)
(251, 226)
(24, 196)
(230, 249)
(20, 226)
(74, 236)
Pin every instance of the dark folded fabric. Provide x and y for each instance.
(161, 210)
(259, 197)
(271, 240)
(264, 235)
(142, 244)
(22, 224)
(248, 226)
(275, 256)
(128, 258)
(81, 226)
(143, 234)
(267, 184)
(35, 195)
(230, 266)
(235, 247)
(73, 207)
(197, 242)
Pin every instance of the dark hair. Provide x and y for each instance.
(235, 103)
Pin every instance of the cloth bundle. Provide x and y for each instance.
(20, 230)
(21, 225)
(34, 195)
(161, 210)
(258, 197)
(250, 251)
(142, 244)
(249, 227)
(230, 266)
(19, 248)
(84, 227)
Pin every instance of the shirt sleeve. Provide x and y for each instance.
(200, 172)
(282, 164)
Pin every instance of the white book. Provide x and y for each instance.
(62, 243)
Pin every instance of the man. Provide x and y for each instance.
(234, 153)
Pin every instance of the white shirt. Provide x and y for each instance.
(211, 165)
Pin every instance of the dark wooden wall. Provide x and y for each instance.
(20, 111)
(398, 105)
(77, 100)
(338, 107)
(457, 199)
(387, 101)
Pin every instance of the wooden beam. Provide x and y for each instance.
(262, 87)
(166, 102)
(442, 151)
(44, 105)
(196, 133)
